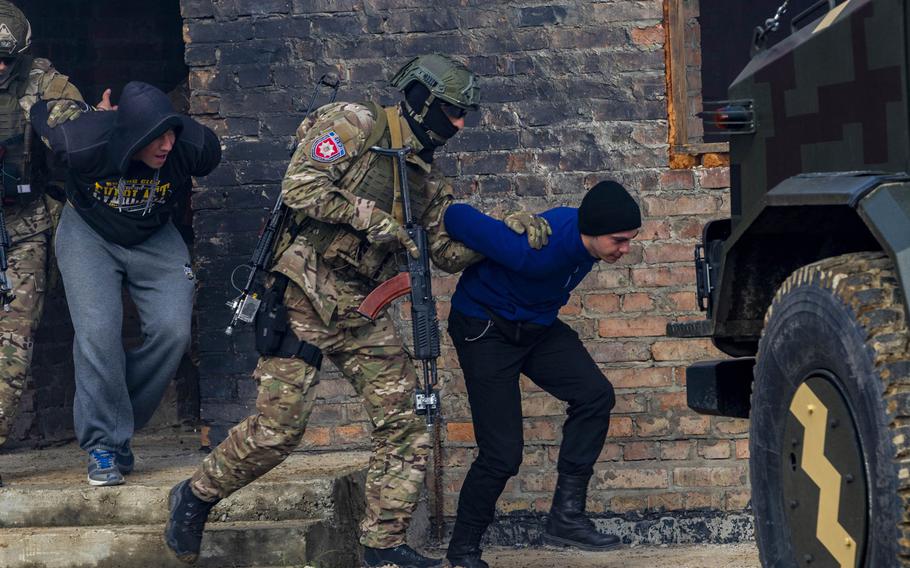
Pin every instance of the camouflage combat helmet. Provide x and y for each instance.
(446, 78)
(15, 30)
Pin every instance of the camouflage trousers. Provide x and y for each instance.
(28, 277)
(372, 358)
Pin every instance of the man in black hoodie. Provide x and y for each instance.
(127, 170)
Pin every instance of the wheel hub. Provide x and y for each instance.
(824, 480)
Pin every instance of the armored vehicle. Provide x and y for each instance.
(806, 287)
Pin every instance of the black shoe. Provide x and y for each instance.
(464, 547)
(568, 525)
(402, 556)
(188, 513)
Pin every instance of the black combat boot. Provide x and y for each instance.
(568, 525)
(402, 556)
(464, 548)
(188, 513)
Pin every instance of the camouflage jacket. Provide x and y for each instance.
(317, 189)
(45, 83)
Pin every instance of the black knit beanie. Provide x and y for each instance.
(608, 208)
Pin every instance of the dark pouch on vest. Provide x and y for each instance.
(520, 333)
(274, 337)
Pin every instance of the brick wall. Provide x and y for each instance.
(573, 92)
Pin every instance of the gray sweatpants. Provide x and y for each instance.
(118, 391)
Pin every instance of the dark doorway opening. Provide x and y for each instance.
(101, 44)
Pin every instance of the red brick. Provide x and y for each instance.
(654, 230)
(648, 326)
(646, 426)
(719, 450)
(610, 452)
(676, 450)
(605, 279)
(702, 500)
(460, 432)
(619, 351)
(665, 501)
(737, 500)
(676, 179)
(713, 178)
(742, 449)
(540, 429)
(683, 301)
(694, 425)
(628, 503)
(640, 377)
(732, 426)
(668, 252)
(709, 476)
(620, 427)
(682, 205)
(543, 405)
(664, 276)
(687, 228)
(685, 350)
(636, 451)
(459, 457)
(662, 402)
(637, 302)
(611, 478)
(538, 482)
(648, 37)
(630, 403)
(572, 308)
(602, 303)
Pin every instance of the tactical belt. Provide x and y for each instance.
(274, 336)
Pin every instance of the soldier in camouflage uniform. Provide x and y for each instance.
(28, 210)
(341, 242)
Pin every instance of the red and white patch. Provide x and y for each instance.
(327, 148)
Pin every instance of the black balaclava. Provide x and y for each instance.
(434, 121)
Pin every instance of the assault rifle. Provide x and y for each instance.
(423, 305)
(6, 291)
(247, 303)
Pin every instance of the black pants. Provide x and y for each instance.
(555, 359)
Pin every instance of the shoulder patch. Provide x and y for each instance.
(327, 148)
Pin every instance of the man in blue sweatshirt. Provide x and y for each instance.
(503, 323)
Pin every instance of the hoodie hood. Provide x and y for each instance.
(144, 113)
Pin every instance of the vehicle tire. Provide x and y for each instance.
(829, 438)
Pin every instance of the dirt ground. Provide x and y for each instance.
(690, 556)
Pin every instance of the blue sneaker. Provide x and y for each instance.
(102, 468)
(126, 461)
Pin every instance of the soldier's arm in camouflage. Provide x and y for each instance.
(47, 84)
(446, 253)
(310, 185)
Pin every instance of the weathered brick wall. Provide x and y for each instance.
(574, 92)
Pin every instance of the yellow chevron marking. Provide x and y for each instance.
(830, 17)
(813, 415)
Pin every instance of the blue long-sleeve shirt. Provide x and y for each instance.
(516, 281)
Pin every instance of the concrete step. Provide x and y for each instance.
(48, 488)
(228, 544)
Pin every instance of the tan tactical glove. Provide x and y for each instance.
(385, 229)
(62, 110)
(535, 226)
